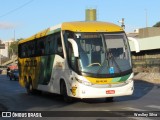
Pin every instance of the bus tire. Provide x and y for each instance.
(63, 92)
(29, 87)
(109, 99)
(30, 90)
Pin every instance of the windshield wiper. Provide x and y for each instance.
(102, 65)
(111, 57)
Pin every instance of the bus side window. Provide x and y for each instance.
(40, 47)
(21, 51)
(71, 58)
(58, 42)
(26, 49)
(31, 49)
(50, 45)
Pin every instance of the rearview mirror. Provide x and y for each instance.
(136, 44)
(74, 46)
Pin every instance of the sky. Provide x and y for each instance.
(24, 18)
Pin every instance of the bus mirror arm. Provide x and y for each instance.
(74, 46)
(136, 44)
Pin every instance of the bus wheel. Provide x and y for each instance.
(29, 87)
(63, 91)
(30, 90)
(109, 99)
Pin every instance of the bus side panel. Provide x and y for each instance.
(21, 74)
(35, 71)
(29, 70)
(57, 73)
(46, 65)
(51, 71)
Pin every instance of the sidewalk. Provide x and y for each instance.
(149, 77)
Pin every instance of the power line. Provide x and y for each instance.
(16, 9)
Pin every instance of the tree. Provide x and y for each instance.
(20, 39)
(157, 24)
(13, 48)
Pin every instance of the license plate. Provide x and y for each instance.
(110, 92)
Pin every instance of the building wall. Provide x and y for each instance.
(4, 52)
(149, 32)
(146, 61)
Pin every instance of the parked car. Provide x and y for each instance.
(14, 74)
(11, 68)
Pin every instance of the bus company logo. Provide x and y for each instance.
(73, 90)
(21, 114)
(6, 114)
(30, 63)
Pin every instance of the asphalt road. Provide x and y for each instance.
(146, 97)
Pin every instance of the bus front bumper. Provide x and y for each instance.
(84, 91)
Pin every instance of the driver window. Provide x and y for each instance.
(72, 59)
(59, 48)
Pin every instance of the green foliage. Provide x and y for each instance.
(157, 24)
(13, 48)
(20, 39)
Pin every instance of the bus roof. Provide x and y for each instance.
(89, 26)
(85, 26)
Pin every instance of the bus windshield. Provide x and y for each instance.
(103, 53)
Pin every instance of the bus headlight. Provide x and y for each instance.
(87, 83)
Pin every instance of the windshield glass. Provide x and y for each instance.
(102, 53)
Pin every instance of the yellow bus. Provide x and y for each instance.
(77, 60)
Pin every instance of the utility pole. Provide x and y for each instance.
(146, 18)
(14, 35)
